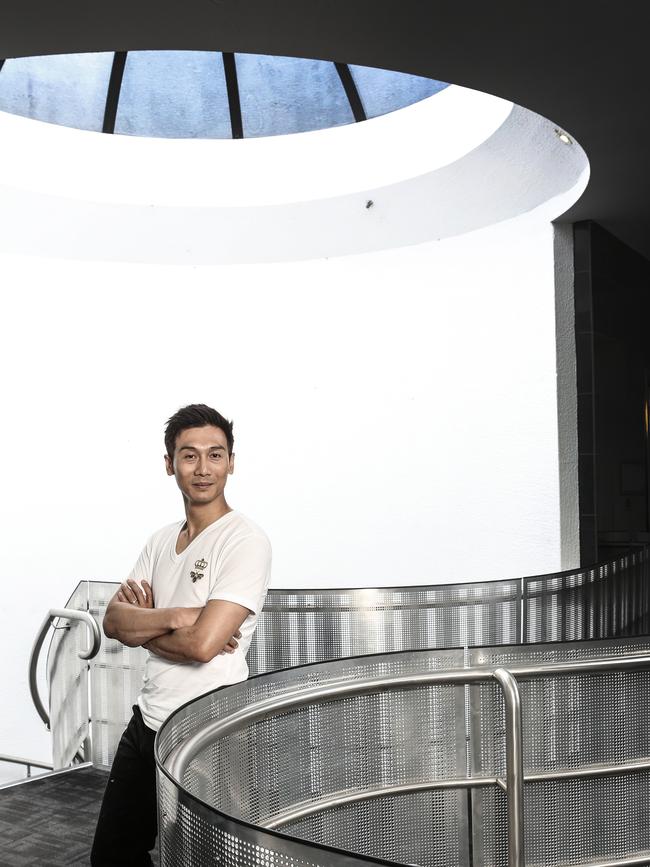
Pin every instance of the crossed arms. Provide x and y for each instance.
(174, 634)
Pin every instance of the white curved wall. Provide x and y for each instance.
(454, 163)
(395, 411)
(395, 417)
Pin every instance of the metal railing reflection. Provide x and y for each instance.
(297, 627)
(179, 760)
(289, 764)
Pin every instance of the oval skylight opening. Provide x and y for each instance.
(202, 94)
(438, 167)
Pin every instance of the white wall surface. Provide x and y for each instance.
(172, 201)
(395, 418)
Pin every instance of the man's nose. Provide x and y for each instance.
(202, 466)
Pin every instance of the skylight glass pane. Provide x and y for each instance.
(174, 94)
(287, 94)
(68, 89)
(382, 91)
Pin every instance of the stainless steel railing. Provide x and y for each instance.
(179, 759)
(298, 627)
(91, 651)
(28, 763)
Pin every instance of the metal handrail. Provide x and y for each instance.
(91, 650)
(28, 763)
(259, 710)
(338, 799)
(178, 760)
(514, 766)
(181, 756)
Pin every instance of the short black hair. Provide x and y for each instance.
(196, 415)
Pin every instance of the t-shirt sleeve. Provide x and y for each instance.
(243, 572)
(142, 568)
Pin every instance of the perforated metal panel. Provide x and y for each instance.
(303, 758)
(67, 675)
(298, 627)
(604, 601)
(190, 834)
(434, 734)
(425, 828)
(115, 677)
(569, 722)
(340, 748)
(580, 821)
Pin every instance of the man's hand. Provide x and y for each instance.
(231, 644)
(132, 619)
(126, 619)
(130, 591)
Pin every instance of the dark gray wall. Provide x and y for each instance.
(612, 310)
(583, 64)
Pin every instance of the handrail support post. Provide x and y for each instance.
(514, 766)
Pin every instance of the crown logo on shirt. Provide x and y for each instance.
(200, 566)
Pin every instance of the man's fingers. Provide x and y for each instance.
(121, 596)
(129, 595)
(238, 634)
(146, 586)
(137, 590)
(231, 645)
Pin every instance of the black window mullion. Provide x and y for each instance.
(351, 91)
(113, 95)
(232, 86)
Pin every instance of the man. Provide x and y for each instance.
(197, 587)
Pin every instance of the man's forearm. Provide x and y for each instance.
(177, 646)
(134, 626)
(202, 640)
(157, 646)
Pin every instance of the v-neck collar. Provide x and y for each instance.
(175, 557)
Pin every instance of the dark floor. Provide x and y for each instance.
(50, 821)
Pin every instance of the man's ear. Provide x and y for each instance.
(231, 464)
(169, 465)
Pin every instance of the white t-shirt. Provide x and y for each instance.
(232, 556)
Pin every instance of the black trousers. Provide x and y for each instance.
(128, 819)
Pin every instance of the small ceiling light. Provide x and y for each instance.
(563, 136)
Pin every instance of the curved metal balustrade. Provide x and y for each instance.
(298, 627)
(391, 759)
(68, 677)
(412, 775)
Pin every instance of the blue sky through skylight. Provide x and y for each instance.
(183, 94)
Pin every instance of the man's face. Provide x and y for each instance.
(201, 464)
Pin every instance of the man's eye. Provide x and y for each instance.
(216, 455)
(189, 457)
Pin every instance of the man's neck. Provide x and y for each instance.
(197, 518)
